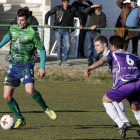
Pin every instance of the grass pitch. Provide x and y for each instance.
(81, 114)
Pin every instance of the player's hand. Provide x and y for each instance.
(87, 72)
(47, 26)
(93, 27)
(80, 27)
(42, 73)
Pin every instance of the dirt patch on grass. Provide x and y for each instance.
(68, 74)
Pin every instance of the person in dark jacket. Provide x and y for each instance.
(64, 16)
(97, 20)
(130, 18)
(81, 7)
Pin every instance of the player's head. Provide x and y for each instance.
(22, 17)
(100, 43)
(65, 3)
(116, 42)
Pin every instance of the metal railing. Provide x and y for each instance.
(58, 27)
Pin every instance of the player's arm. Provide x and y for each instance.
(5, 40)
(42, 58)
(37, 41)
(49, 13)
(95, 65)
(41, 71)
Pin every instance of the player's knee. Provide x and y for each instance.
(7, 97)
(30, 92)
(103, 99)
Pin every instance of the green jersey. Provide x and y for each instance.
(23, 42)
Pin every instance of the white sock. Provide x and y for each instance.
(137, 115)
(120, 112)
(122, 106)
(112, 112)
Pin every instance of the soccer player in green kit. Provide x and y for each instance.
(21, 65)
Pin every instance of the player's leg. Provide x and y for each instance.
(136, 110)
(29, 87)
(10, 83)
(134, 101)
(12, 104)
(121, 113)
(122, 106)
(112, 111)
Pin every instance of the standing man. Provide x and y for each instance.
(21, 65)
(64, 16)
(81, 7)
(130, 18)
(97, 20)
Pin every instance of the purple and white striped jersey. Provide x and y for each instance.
(124, 66)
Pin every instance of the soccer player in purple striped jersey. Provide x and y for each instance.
(125, 68)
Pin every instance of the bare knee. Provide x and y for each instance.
(7, 97)
(135, 107)
(30, 91)
(8, 93)
(105, 99)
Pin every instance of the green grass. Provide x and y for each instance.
(81, 114)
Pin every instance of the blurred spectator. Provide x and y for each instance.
(130, 18)
(64, 16)
(97, 20)
(81, 7)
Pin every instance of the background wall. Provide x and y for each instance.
(111, 10)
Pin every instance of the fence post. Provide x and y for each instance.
(42, 35)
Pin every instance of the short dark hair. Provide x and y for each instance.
(101, 38)
(65, 0)
(27, 8)
(117, 41)
(23, 12)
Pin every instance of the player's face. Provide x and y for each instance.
(65, 4)
(99, 47)
(22, 22)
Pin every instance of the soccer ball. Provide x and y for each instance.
(7, 122)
